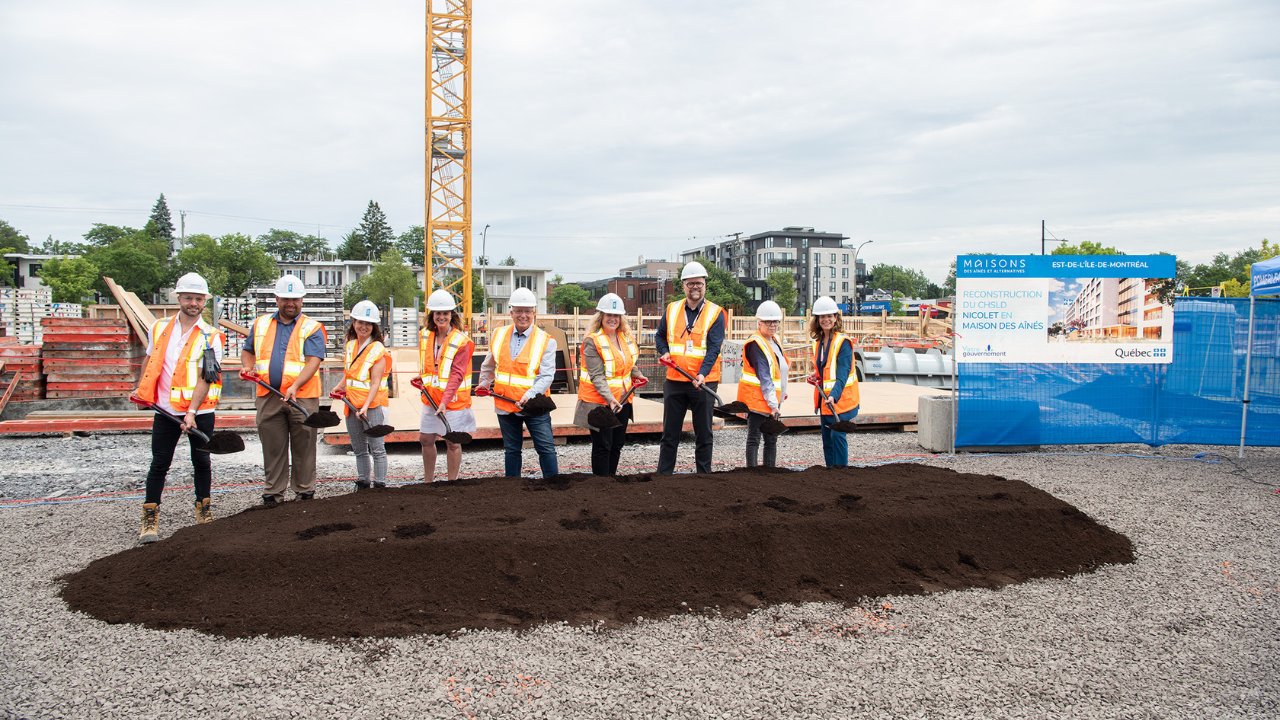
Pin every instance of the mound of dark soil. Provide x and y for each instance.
(511, 553)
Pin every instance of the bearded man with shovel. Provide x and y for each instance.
(688, 340)
(174, 383)
(284, 350)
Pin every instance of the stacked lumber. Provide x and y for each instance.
(21, 360)
(86, 358)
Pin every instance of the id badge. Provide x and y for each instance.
(688, 347)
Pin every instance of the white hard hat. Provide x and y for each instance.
(191, 283)
(768, 310)
(365, 310)
(289, 286)
(523, 297)
(441, 300)
(692, 269)
(825, 306)
(611, 304)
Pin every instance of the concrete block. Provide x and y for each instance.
(934, 417)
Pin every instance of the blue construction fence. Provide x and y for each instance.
(1195, 400)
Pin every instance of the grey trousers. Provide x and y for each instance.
(368, 450)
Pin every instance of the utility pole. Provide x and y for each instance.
(1043, 239)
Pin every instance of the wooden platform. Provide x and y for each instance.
(109, 421)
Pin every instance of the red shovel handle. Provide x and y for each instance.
(417, 383)
(483, 391)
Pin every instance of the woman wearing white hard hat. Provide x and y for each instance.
(367, 364)
(444, 364)
(606, 374)
(763, 386)
(834, 373)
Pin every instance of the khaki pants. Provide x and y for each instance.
(284, 436)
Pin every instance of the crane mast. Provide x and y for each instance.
(447, 233)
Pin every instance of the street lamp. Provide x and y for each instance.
(855, 277)
(484, 244)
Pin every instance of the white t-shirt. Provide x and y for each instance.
(171, 353)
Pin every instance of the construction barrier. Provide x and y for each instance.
(1196, 399)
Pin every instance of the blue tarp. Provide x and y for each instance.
(1264, 277)
(1196, 399)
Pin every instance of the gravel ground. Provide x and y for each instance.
(1192, 629)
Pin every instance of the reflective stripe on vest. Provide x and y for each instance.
(849, 395)
(749, 390)
(186, 373)
(617, 368)
(435, 376)
(514, 378)
(689, 349)
(264, 339)
(359, 380)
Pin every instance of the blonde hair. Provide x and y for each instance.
(597, 322)
(815, 329)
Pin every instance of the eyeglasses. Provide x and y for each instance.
(522, 311)
(692, 284)
(191, 299)
(769, 322)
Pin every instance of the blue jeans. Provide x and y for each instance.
(835, 445)
(513, 439)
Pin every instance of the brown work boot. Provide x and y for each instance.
(203, 512)
(150, 523)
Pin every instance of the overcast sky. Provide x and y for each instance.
(607, 130)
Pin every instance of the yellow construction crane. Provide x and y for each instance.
(448, 203)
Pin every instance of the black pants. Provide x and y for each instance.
(606, 446)
(754, 421)
(677, 398)
(165, 435)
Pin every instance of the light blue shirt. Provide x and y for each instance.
(546, 365)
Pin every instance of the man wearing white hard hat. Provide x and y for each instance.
(366, 364)
(607, 373)
(444, 364)
(286, 348)
(689, 336)
(520, 365)
(763, 386)
(174, 379)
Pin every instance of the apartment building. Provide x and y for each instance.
(1120, 308)
(820, 262)
(651, 269)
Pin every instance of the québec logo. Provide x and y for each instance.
(1159, 352)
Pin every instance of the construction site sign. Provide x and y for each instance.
(1063, 309)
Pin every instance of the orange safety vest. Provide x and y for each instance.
(749, 390)
(435, 377)
(182, 386)
(617, 368)
(688, 347)
(359, 382)
(849, 396)
(514, 378)
(264, 339)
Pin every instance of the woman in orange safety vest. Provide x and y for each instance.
(367, 364)
(606, 371)
(444, 363)
(763, 386)
(834, 370)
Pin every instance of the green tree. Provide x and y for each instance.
(412, 246)
(103, 235)
(1202, 278)
(131, 264)
(389, 278)
(59, 247)
(284, 244)
(11, 241)
(375, 231)
(896, 307)
(783, 284)
(164, 221)
(1085, 248)
(70, 279)
(231, 264)
(478, 295)
(908, 281)
(314, 247)
(147, 240)
(509, 262)
(352, 247)
(723, 289)
(566, 298)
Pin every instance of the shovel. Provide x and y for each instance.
(370, 430)
(843, 426)
(604, 417)
(318, 419)
(457, 438)
(223, 442)
(537, 405)
(736, 407)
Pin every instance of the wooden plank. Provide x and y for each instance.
(9, 391)
(140, 318)
(81, 386)
(223, 322)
